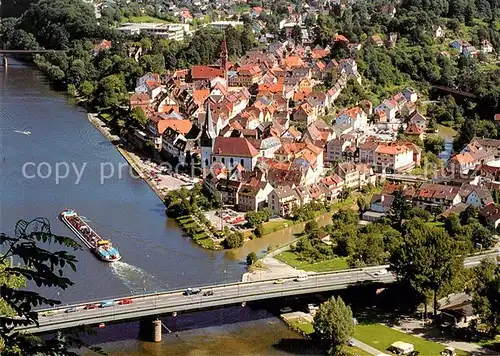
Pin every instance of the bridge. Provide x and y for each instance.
(5, 52)
(406, 178)
(148, 307)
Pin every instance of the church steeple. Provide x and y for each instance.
(224, 57)
(207, 140)
(208, 135)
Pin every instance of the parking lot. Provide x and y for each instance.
(227, 217)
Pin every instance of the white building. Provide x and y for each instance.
(166, 30)
(354, 117)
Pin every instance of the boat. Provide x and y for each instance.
(103, 249)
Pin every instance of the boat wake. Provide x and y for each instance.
(27, 133)
(136, 279)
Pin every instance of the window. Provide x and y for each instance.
(223, 160)
(213, 159)
(231, 161)
(206, 162)
(242, 162)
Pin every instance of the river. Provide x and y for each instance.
(156, 256)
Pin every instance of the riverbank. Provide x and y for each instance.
(160, 183)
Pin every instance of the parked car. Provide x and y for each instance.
(279, 281)
(91, 306)
(107, 303)
(208, 293)
(351, 343)
(125, 301)
(70, 310)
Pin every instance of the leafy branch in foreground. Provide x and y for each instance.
(44, 268)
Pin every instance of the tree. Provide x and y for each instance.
(297, 34)
(333, 323)
(486, 295)
(400, 209)
(235, 240)
(111, 91)
(427, 258)
(311, 226)
(434, 144)
(87, 89)
(251, 258)
(46, 269)
(139, 117)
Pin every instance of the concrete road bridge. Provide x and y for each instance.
(148, 307)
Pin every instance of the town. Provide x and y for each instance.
(336, 163)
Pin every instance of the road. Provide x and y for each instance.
(176, 301)
(151, 305)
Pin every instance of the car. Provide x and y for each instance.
(208, 293)
(381, 272)
(107, 304)
(70, 310)
(279, 281)
(48, 313)
(125, 301)
(191, 291)
(301, 278)
(91, 306)
(351, 343)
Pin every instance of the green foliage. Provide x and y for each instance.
(251, 258)
(45, 269)
(434, 144)
(184, 202)
(334, 323)
(255, 218)
(111, 91)
(234, 240)
(427, 258)
(138, 117)
(486, 295)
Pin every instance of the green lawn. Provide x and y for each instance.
(276, 225)
(493, 345)
(302, 325)
(381, 337)
(142, 19)
(334, 264)
(355, 351)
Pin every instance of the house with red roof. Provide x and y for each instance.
(415, 130)
(353, 117)
(305, 114)
(231, 151)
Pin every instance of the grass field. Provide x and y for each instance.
(381, 337)
(276, 225)
(142, 19)
(291, 259)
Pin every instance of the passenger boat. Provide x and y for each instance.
(103, 249)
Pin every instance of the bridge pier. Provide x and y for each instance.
(150, 330)
(5, 61)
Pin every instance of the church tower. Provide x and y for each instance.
(207, 139)
(224, 58)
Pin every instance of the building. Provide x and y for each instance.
(282, 200)
(431, 195)
(354, 117)
(394, 158)
(231, 151)
(253, 197)
(222, 25)
(166, 30)
(491, 214)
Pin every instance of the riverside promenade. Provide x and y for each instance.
(160, 183)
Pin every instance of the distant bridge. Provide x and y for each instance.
(455, 91)
(148, 307)
(5, 52)
(30, 51)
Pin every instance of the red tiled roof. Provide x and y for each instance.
(234, 146)
(206, 72)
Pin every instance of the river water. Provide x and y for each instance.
(156, 256)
